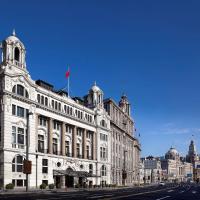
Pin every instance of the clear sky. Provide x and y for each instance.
(148, 49)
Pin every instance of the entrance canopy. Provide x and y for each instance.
(71, 172)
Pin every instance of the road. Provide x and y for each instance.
(178, 192)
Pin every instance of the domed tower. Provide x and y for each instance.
(13, 52)
(172, 154)
(125, 105)
(192, 153)
(95, 97)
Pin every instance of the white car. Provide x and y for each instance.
(162, 183)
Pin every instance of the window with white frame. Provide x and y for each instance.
(42, 121)
(79, 132)
(69, 129)
(103, 170)
(45, 166)
(17, 164)
(18, 137)
(57, 125)
(19, 111)
(67, 148)
(103, 153)
(41, 143)
(20, 90)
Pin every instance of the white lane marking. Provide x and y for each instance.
(98, 196)
(163, 198)
(137, 194)
(170, 191)
(194, 192)
(181, 192)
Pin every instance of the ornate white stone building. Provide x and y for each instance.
(70, 138)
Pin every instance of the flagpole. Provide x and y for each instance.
(68, 84)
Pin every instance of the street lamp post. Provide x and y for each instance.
(27, 147)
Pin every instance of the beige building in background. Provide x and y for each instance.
(176, 168)
(125, 147)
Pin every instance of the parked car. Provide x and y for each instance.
(162, 183)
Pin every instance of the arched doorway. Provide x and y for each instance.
(69, 180)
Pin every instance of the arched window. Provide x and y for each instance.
(20, 90)
(38, 98)
(17, 164)
(52, 103)
(17, 54)
(103, 170)
(46, 101)
(103, 123)
(42, 100)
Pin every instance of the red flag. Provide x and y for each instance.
(67, 73)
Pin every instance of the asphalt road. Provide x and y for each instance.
(181, 192)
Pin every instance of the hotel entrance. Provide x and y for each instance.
(70, 178)
(69, 181)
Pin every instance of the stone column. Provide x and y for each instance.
(94, 146)
(62, 181)
(74, 153)
(36, 131)
(84, 144)
(50, 135)
(63, 140)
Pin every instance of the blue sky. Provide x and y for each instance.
(148, 49)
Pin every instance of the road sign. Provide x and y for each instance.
(27, 166)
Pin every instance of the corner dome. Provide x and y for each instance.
(95, 88)
(13, 39)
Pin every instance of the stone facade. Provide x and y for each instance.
(69, 138)
(125, 147)
(175, 167)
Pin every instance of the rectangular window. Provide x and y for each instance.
(14, 135)
(42, 121)
(101, 152)
(67, 148)
(13, 109)
(41, 143)
(78, 150)
(45, 166)
(55, 146)
(20, 136)
(45, 182)
(90, 168)
(20, 90)
(88, 151)
(19, 183)
(20, 111)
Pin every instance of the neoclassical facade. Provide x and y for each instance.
(125, 147)
(69, 138)
(175, 168)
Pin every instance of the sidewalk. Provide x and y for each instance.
(31, 191)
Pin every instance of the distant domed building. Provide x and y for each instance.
(172, 154)
(174, 168)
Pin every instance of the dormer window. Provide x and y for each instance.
(20, 90)
(17, 54)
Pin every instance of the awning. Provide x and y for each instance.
(73, 173)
